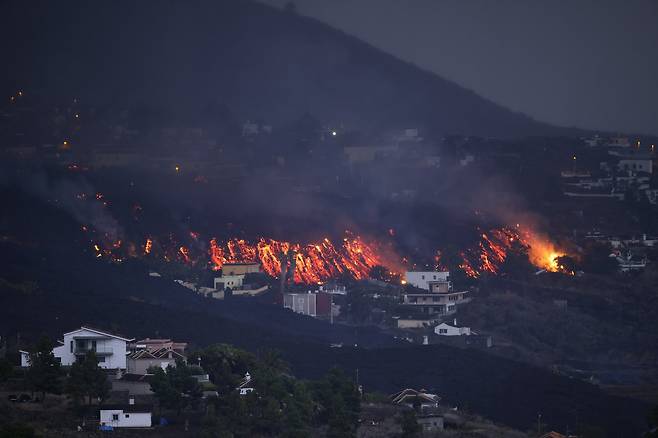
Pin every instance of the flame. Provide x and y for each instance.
(148, 246)
(494, 247)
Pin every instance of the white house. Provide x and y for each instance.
(130, 415)
(110, 349)
(25, 358)
(226, 281)
(444, 329)
(636, 165)
(422, 279)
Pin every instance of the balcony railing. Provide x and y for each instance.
(100, 351)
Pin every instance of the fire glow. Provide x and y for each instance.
(314, 262)
(494, 247)
(353, 256)
(317, 262)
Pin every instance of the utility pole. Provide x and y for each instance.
(331, 309)
(539, 424)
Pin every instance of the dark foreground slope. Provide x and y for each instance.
(191, 58)
(48, 284)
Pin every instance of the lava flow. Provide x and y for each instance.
(314, 262)
(494, 247)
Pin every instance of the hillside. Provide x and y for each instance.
(50, 282)
(195, 64)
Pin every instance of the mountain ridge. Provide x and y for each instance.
(258, 61)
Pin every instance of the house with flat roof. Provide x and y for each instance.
(129, 415)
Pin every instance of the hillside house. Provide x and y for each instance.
(128, 415)
(139, 362)
(310, 304)
(445, 329)
(246, 385)
(25, 358)
(158, 353)
(229, 281)
(413, 398)
(422, 279)
(110, 349)
(439, 299)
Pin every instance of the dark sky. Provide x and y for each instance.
(586, 63)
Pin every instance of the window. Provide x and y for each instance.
(443, 330)
(422, 277)
(127, 415)
(115, 417)
(101, 359)
(71, 346)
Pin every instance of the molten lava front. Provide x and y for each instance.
(314, 262)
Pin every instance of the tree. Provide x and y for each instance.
(175, 388)
(226, 365)
(341, 404)
(45, 371)
(87, 379)
(409, 424)
(5, 370)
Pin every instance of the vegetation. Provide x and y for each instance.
(175, 388)
(44, 374)
(87, 379)
(409, 424)
(279, 404)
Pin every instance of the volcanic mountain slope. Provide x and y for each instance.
(186, 58)
(49, 284)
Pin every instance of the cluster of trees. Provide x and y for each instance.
(280, 405)
(84, 383)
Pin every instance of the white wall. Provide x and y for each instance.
(103, 345)
(637, 165)
(421, 279)
(232, 281)
(301, 303)
(451, 331)
(25, 359)
(128, 419)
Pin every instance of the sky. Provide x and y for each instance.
(586, 63)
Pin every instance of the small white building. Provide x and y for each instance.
(110, 349)
(130, 415)
(229, 281)
(25, 358)
(636, 165)
(444, 329)
(422, 279)
(246, 385)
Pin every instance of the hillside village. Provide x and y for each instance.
(233, 220)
